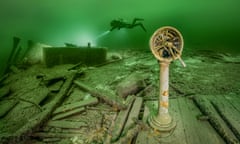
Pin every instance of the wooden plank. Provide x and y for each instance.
(153, 137)
(55, 135)
(56, 86)
(109, 134)
(47, 128)
(215, 120)
(6, 106)
(36, 95)
(145, 114)
(110, 99)
(146, 137)
(130, 134)
(4, 91)
(32, 97)
(65, 124)
(133, 115)
(131, 85)
(76, 95)
(121, 119)
(51, 140)
(68, 107)
(234, 101)
(38, 120)
(68, 113)
(197, 132)
(178, 135)
(2, 79)
(228, 113)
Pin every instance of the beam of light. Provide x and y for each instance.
(102, 34)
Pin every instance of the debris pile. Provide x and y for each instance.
(58, 104)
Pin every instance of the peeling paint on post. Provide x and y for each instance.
(164, 85)
(164, 47)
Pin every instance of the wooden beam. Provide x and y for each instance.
(68, 107)
(131, 133)
(121, 120)
(40, 119)
(68, 113)
(215, 120)
(109, 134)
(4, 91)
(65, 124)
(54, 135)
(146, 137)
(195, 129)
(228, 113)
(133, 115)
(109, 99)
(6, 106)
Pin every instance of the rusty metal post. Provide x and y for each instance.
(166, 45)
(163, 121)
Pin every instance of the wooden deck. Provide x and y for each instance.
(196, 126)
(42, 105)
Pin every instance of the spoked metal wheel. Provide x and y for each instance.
(167, 44)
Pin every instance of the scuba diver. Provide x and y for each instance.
(118, 24)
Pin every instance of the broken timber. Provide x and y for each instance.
(131, 85)
(228, 113)
(55, 135)
(131, 133)
(68, 107)
(144, 137)
(215, 120)
(68, 113)
(3, 78)
(109, 134)
(101, 95)
(74, 108)
(6, 106)
(134, 114)
(65, 124)
(188, 130)
(25, 100)
(37, 121)
(121, 119)
(188, 112)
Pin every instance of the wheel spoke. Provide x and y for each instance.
(159, 47)
(170, 35)
(175, 48)
(172, 53)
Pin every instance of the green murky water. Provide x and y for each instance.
(204, 24)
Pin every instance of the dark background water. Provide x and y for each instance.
(205, 24)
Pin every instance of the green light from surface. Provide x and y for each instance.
(84, 38)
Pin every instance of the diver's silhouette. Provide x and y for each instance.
(118, 24)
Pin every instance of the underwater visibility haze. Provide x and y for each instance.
(204, 24)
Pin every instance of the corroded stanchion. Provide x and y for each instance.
(166, 45)
(163, 121)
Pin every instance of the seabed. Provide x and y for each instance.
(111, 102)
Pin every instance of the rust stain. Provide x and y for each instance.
(165, 93)
(164, 104)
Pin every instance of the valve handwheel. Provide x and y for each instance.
(167, 44)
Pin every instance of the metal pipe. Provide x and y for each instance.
(163, 121)
(164, 85)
